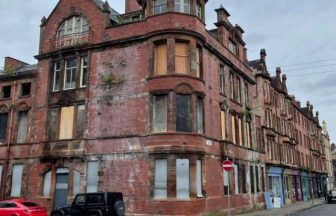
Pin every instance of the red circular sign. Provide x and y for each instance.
(227, 166)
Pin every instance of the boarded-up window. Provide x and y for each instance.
(81, 119)
(16, 180)
(183, 110)
(57, 76)
(76, 182)
(92, 176)
(70, 74)
(3, 126)
(161, 58)
(198, 62)
(223, 124)
(182, 178)
(66, 122)
(199, 179)
(160, 182)
(181, 58)
(84, 72)
(200, 115)
(240, 131)
(233, 129)
(159, 113)
(47, 184)
(53, 119)
(248, 133)
(22, 127)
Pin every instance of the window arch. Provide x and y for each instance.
(73, 25)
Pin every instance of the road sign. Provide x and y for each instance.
(227, 166)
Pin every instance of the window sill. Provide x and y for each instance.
(5, 99)
(175, 75)
(177, 133)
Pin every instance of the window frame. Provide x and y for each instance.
(55, 71)
(160, 6)
(73, 70)
(82, 75)
(179, 6)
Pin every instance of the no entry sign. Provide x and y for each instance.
(227, 166)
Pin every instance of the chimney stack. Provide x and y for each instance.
(223, 26)
(222, 14)
(131, 6)
(263, 55)
(278, 72)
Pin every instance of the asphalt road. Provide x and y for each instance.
(324, 210)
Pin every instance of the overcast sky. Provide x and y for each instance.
(300, 33)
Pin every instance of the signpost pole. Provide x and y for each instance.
(228, 167)
(229, 203)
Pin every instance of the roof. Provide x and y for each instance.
(114, 15)
(256, 64)
(22, 70)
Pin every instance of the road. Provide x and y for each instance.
(324, 210)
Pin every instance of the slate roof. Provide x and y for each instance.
(256, 64)
(114, 15)
(26, 69)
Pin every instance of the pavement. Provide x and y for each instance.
(323, 210)
(291, 209)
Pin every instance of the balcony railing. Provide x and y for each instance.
(77, 39)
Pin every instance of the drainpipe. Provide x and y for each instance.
(10, 129)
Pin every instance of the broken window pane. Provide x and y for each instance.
(6, 92)
(3, 126)
(84, 71)
(53, 124)
(160, 182)
(57, 76)
(182, 178)
(159, 113)
(81, 120)
(22, 127)
(70, 74)
(25, 89)
(199, 179)
(67, 121)
(47, 184)
(183, 117)
(92, 176)
(16, 180)
(200, 115)
(76, 182)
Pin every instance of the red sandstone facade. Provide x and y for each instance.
(148, 103)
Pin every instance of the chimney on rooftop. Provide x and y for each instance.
(278, 72)
(223, 26)
(12, 63)
(263, 55)
(131, 6)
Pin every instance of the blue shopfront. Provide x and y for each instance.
(306, 188)
(275, 181)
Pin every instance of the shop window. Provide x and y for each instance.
(182, 6)
(84, 72)
(25, 89)
(159, 113)
(70, 74)
(199, 178)
(223, 124)
(66, 122)
(92, 176)
(182, 58)
(81, 121)
(182, 179)
(160, 6)
(22, 127)
(160, 182)
(161, 59)
(57, 76)
(16, 180)
(183, 113)
(3, 126)
(6, 92)
(200, 115)
(222, 79)
(47, 184)
(252, 179)
(76, 183)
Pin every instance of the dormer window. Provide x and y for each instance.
(182, 6)
(73, 31)
(233, 47)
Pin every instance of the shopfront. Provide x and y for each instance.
(275, 175)
(305, 185)
(292, 186)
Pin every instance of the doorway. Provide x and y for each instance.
(62, 185)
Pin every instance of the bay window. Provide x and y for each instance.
(182, 6)
(160, 6)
